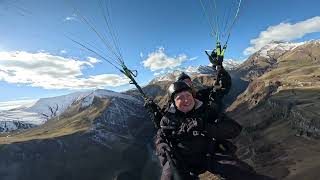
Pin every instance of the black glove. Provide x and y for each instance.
(212, 57)
(151, 107)
(153, 111)
(149, 104)
(162, 148)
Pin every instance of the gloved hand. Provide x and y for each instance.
(151, 107)
(162, 148)
(150, 104)
(212, 57)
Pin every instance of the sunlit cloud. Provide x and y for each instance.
(53, 72)
(93, 60)
(284, 32)
(159, 60)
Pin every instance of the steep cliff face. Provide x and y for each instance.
(279, 112)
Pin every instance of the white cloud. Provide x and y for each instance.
(52, 72)
(193, 58)
(63, 51)
(160, 60)
(284, 32)
(141, 54)
(73, 17)
(93, 60)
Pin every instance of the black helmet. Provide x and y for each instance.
(178, 87)
(183, 76)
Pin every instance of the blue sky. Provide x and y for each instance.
(38, 60)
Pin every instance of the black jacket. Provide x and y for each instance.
(192, 146)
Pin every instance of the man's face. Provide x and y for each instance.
(184, 101)
(188, 81)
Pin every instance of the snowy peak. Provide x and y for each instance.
(87, 99)
(280, 47)
(169, 76)
(228, 64)
(172, 75)
(276, 48)
(33, 113)
(56, 105)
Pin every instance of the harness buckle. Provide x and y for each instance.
(195, 133)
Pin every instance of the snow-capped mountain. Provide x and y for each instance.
(13, 115)
(58, 103)
(172, 75)
(11, 120)
(228, 64)
(32, 114)
(275, 48)
(61, 103)
(267, 58)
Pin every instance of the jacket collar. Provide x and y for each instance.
(197, 105)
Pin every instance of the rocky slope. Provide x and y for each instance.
(102, 136)
(280, 112)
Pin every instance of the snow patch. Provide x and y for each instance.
(11, 120)
(22, 116)
(63, 102)
(277, 47)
